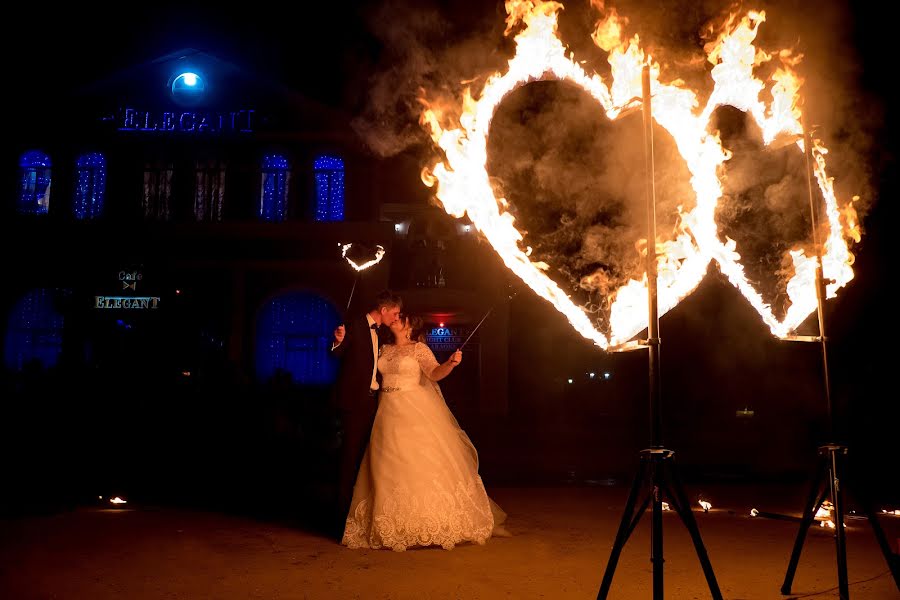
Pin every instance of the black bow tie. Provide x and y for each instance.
(374, 326)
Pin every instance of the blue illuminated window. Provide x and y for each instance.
(329, 173)
(294, 332)
(34, 331)
(90, 187)
(34, 183)
(273, 198)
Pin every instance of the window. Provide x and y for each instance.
(294, 332)
(273, 197)
(34, 183)
(90, 187)
(157, 200)
(209, 190)
(329, 173)
(34, 331)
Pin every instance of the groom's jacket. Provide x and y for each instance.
(357, 361)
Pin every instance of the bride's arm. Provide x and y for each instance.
(433, 370)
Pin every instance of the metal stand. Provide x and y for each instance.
(828, 474)
(657, 466)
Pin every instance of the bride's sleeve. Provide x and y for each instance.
(427, 362)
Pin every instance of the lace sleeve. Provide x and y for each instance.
(427, 362)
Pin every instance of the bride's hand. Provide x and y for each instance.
(456, 358)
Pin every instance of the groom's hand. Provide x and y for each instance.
(339, 334)
(456, 358)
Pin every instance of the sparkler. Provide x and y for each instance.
(486, 315)
(379, 254)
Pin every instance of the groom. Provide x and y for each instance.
(356, 344)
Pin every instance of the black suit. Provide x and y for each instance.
(357, 405)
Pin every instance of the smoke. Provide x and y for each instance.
(843, 114)
(424, 51)
(764, 205)
(576, 184)
(574, 180)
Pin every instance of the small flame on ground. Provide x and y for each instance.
(754, 512)
(706, 505)
(379, 254)
(665, 506)
(117, 500)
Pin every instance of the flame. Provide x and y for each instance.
(379, 254)
(463, 188)
(117, 500)
(706, 505)
(754, 512)
(823, 515)
(665, 506)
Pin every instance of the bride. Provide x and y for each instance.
(418, 484)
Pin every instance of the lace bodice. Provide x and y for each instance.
(403, 367)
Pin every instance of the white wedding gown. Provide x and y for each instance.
(418, 484)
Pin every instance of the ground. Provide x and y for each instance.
(560, 547)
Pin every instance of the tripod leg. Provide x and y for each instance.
(656, 531)
(892, 559)
(840, 536)
(683, 506)
(813, 502)
(625, 528)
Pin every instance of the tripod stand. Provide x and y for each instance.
(829, 473)
(657, 465)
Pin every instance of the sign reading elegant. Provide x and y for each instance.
(129, 280)
(241, 121)
(127, 302)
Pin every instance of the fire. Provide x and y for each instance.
(823, 515)
(462, 184)
(706, 505)
(379, 254)
(117, 501)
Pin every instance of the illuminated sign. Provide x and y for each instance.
(127, 302)
(446, 338)
(129, 279)
(132, 119)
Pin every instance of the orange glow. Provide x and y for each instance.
(462, 186)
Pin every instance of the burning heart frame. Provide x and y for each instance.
(462, 185)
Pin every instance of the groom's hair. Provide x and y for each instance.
(387, 299)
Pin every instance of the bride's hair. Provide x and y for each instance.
(416, 327)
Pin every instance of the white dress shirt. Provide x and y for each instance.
(371, 321)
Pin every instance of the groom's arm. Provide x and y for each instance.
(339, 344)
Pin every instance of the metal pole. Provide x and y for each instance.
(652, 305)
(837, 499)
(820, 282)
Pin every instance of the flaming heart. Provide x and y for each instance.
(379, 254)
(463, 187)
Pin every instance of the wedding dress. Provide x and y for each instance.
(418, 484)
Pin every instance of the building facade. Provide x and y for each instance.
(184, 219)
